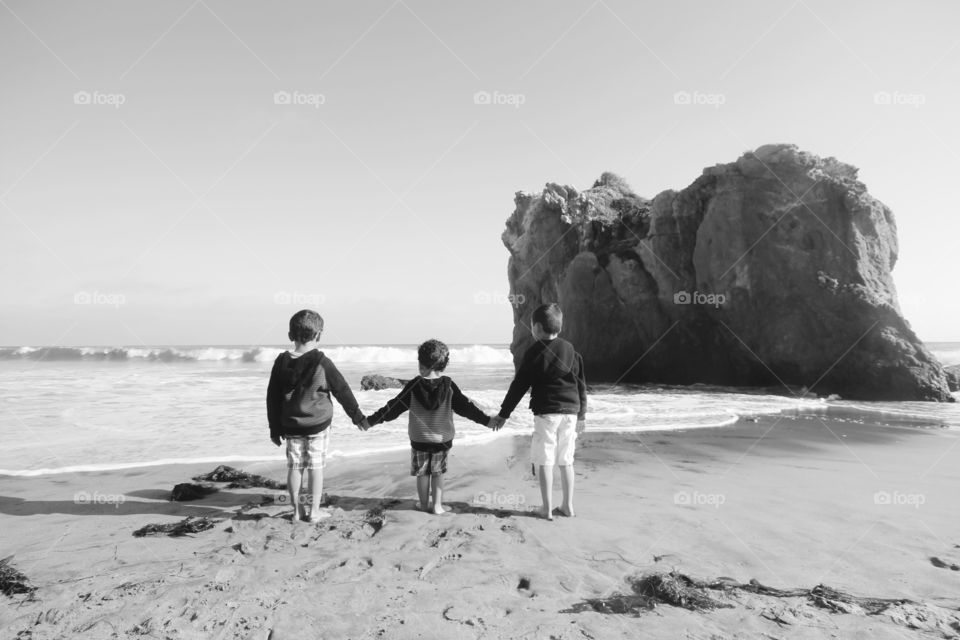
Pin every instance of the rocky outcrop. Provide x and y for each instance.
(376, 382)
(953, 377)
(771, 270)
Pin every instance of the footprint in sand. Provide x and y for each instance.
(437, 536)
(463, 615)
(350, 527)
(515, 533)
(434, 537)
(437, 561)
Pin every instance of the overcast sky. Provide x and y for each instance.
(150, 171)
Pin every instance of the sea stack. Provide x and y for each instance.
(771, 270)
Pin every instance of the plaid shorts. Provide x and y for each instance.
(308, 452)
(424, 463)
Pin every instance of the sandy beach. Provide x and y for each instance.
(793, 503)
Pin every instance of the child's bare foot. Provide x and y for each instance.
(545, 514)
(419, 506)
(565, 511)
(439, 511)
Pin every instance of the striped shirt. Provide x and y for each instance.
(431, 403)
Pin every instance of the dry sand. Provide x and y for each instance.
(794, 502)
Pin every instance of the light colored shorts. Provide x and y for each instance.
(554, 439)
(308, 452)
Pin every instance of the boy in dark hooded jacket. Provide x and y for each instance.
(431, 399)
(299, 409)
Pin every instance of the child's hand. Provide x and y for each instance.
(364, 425)
(581, 426)
(496, 423)
(276, 440)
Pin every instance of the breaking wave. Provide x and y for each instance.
(467, 354)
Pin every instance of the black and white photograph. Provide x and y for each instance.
(413, 319)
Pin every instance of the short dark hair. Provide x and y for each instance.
(305, 325)
(433, 355)
(549, 317)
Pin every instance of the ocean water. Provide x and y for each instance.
(89, 408)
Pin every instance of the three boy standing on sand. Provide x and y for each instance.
(299, 411)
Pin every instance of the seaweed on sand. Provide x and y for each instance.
(186, 491)
(12, 581)
(649, 590)
(239, 479)
(184, 527)
(683, 591)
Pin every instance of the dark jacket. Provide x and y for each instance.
(298, 396)
(553, 372)
(432, 403)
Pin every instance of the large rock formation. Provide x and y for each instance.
(377, 382)
(774, 269)
(953, 377)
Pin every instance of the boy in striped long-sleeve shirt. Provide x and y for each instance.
(431, 399)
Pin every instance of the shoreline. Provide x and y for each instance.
(878, 418)
(788, 501)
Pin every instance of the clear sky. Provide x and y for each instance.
(177, 202)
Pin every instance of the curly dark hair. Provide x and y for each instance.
(549, 317)
(305, 325)
(433, 355)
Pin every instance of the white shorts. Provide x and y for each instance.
(554, 439)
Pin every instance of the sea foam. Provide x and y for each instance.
(470, 354)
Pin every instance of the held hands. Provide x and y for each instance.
(581, 426)
(364, 424)
(496, 423)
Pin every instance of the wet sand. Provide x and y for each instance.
(791, 502)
